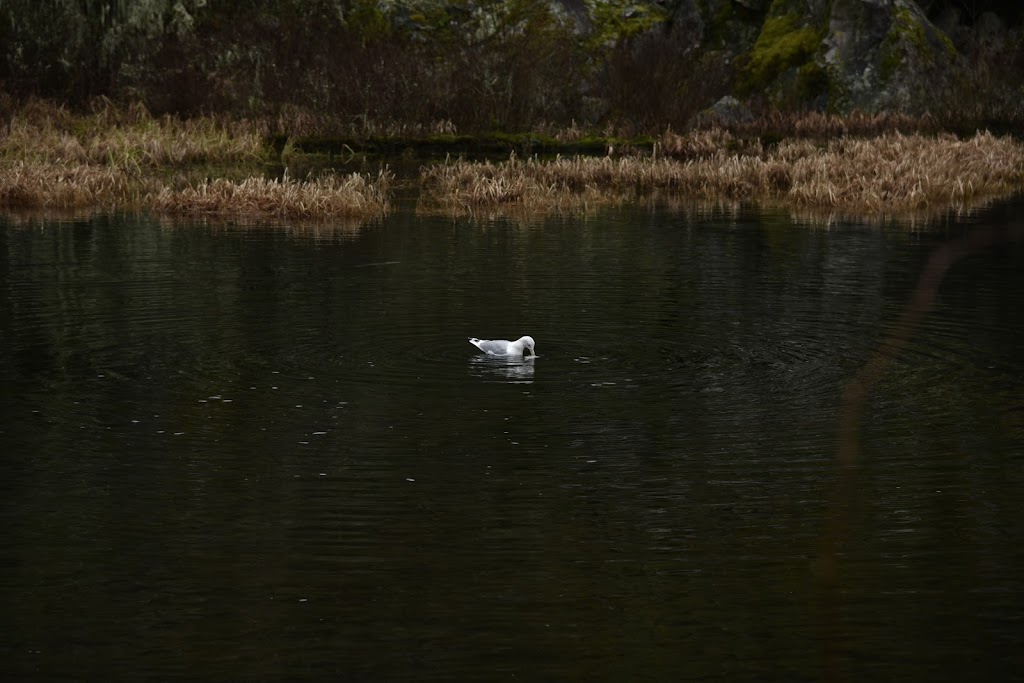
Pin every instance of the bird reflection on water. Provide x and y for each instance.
(514, 369)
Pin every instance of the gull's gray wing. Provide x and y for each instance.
(496, 346)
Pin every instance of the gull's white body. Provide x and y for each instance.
(504, 347)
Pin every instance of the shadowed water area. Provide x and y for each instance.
(259, 453)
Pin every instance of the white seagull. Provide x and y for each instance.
(503, 347)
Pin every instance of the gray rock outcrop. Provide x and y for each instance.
(885, 54)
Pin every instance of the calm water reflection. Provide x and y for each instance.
(251, 453)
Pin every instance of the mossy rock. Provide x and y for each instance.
(812, 82)
(730, 25)
(618, 20)
(785, 43)
(886, 57)
(909, 39)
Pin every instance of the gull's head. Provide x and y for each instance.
(528, 346)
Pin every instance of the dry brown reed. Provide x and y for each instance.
(120, 158)
(66, 186)
(77, 186)
(132, 140)
(298, 121)
(819, 125)
(907, 172)
(705, 143)
(889, 173)
(511, 186)
(333, 196)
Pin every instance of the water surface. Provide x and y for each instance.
(259, 453)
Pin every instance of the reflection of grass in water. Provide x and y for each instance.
(337, 228)
(39, 217)
(811, 216)
(889, 173)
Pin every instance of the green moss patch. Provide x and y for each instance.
(618, 20)
(907, 38)
(782, 45)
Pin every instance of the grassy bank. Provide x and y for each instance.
(348, 196)
(114, 159)
(890, 173)
(40, 185)
(130, 139)
(126, 159)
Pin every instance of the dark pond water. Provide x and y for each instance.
(257, 453)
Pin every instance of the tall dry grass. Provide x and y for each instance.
(51, 158)
(130, 139)
(67, 186)
(906, 172)
(70, 186)
(820, 125)
(351, 196)
(298, 121)
(890, 173)
(124, 158)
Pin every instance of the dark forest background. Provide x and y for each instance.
(482, 65)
